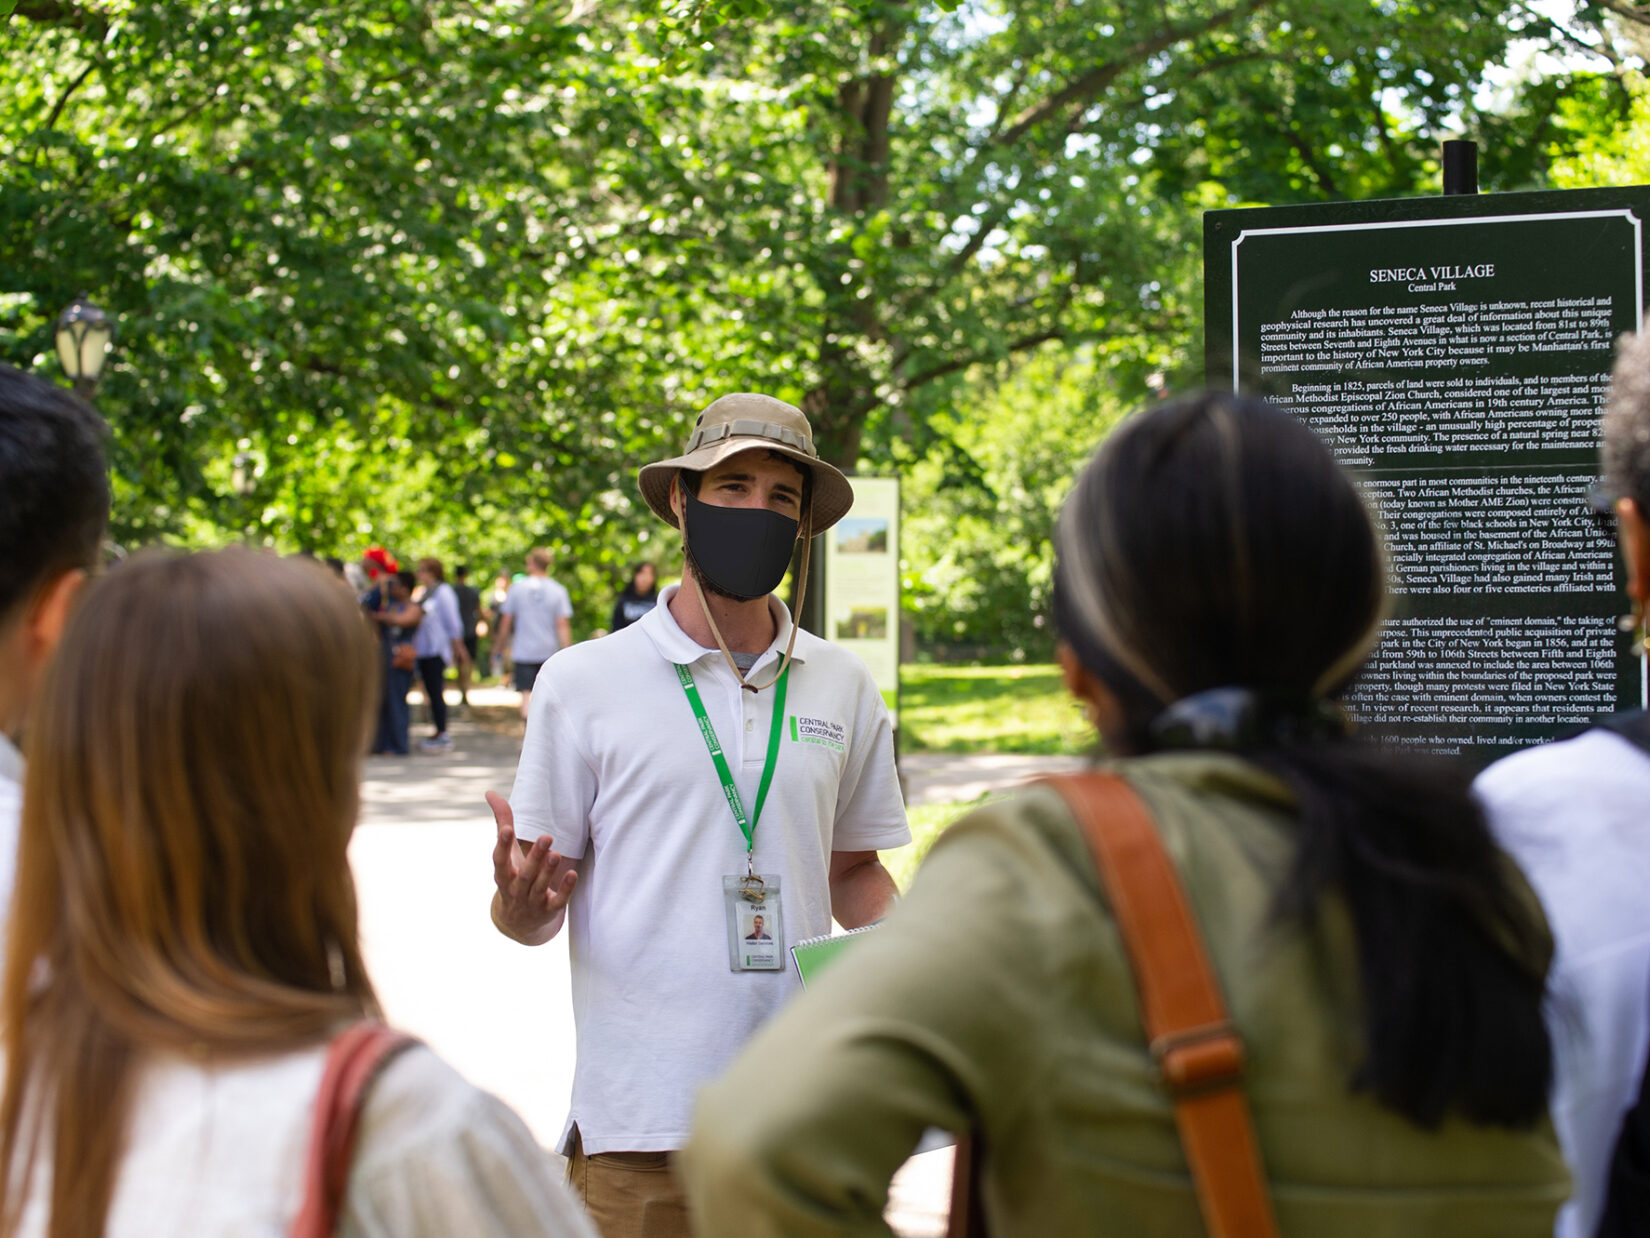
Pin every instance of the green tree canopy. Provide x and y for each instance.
(445, 273)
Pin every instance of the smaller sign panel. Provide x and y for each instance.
(862, 582)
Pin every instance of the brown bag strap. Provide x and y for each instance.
(353, 1061)
(966, 1218)
(1190, 1035)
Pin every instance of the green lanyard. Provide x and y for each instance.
(736, 802)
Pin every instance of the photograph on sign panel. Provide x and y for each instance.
(864, 623)
(862, 536)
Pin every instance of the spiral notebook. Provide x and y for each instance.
(813, 955)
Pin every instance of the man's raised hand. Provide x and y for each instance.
(534, 882)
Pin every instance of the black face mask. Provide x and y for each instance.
(743, 551)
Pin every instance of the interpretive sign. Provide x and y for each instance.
(862, 582)
(1455, 351)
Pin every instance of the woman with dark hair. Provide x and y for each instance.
(1218, 582)
(640, 596)
(183, 944)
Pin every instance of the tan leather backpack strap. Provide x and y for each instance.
(354, 1059)
(1188, 1030)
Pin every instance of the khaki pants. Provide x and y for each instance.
(629, 1194)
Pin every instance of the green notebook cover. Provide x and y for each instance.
(813, 955)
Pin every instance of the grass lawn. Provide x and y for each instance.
(989, 709)
(967, 709)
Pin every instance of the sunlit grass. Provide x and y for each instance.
(1019, 709)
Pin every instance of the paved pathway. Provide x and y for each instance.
(499, 1011)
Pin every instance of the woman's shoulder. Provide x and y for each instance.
(1026, 840)
(1181, 792)
(419, 1098)
(436, 1154)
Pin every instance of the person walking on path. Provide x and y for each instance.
(640, 595)
(494, 614)
(54, 505)
(469, 617)
(397, 617)
(536, 622)
(707, 763)
(439, 643)
(1576, 816)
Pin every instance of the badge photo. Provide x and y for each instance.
(756, 936)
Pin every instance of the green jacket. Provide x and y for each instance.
(998, 992)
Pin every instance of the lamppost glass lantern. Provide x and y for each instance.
(84, 333)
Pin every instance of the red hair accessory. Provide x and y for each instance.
(381, 561)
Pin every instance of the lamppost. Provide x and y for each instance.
(84, 333)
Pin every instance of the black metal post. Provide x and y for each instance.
(1460, 167)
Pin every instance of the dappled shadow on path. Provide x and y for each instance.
(443, 787)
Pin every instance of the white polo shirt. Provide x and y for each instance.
(1576, 817)
(615, 771)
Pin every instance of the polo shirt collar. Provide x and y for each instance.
(676, 646)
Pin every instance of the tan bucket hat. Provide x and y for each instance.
(737, 423)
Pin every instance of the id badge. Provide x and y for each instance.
(756, 929)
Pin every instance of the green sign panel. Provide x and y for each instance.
(862, 582)
(1455, 352)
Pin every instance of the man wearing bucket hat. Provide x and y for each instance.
(707, 762)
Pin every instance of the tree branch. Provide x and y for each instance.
(57, 108)
(53, 13)
(1087, 87)
(962, 363)
(1638, 14)
(1309, 157)
(994, 218)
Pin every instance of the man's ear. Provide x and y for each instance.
(1634, 534)
(49, 612)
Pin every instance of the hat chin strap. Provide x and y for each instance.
(704, 604)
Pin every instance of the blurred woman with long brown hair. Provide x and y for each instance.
(183, 947)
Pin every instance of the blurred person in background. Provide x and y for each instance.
(469, 622)
(185, 941)
(376, 564)
(536, 622)
(397, 618)
(1576, 815)
(54, 505)
(439, 643)
(495, 614)
(1218, 581)
(639, 596)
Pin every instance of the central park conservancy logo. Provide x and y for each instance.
(830, 735)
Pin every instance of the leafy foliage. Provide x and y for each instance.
(445, 273)
(980, 505)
